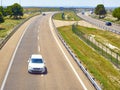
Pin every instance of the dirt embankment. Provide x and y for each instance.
(59, 23)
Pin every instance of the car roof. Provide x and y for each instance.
(36, 56)
(108, 22)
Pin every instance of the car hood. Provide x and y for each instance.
(36, 65)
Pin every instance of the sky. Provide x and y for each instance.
(63, 3)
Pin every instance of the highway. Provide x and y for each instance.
(62, 72)
(114, 28)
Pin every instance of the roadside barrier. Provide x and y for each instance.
(92, 80)
(3, 41)
(100, 26)
(103, 49)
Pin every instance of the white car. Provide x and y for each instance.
(36, 64)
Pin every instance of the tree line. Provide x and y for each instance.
(14, 11)
(100, 10)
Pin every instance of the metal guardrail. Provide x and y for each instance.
(97, 87)
(104, 50)
(101, 26)
(3, 41)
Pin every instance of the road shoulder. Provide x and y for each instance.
(8, 49)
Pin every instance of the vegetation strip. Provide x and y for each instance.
(79, 63)
(66, 16)
(99, 47)
(101, 69)
(12, 18)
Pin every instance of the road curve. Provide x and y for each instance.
(101, 24)
(39, 38)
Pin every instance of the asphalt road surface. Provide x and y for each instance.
(61, 75)
(101, 24)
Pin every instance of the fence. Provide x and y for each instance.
(76, 59)
(102, 49)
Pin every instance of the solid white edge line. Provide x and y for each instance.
(83, 85)
(11, 62)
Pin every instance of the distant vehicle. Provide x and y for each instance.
(108, 23)
(91, 12)
(36, 64)
(83, 13)
(43, 14)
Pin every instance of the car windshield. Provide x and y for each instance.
(37, 60)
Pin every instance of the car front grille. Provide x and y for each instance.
(37, 69)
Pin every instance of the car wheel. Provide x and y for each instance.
(45, 71)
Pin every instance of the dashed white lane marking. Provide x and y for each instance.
(81, 82)
(11, 61)
(38, 44)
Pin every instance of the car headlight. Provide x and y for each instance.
(44, 67)
(30, 68)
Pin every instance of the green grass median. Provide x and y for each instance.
(99, 67)
(67, 16)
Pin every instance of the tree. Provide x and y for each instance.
(100, 10)
(63, 16)
(17, 11)
(2, 10)
(1, 18)
(8, 10)
(116, 13)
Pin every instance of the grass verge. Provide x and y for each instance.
(102, 36)
(99, 67)
(9, 24)
(68, 16)
(96, 46)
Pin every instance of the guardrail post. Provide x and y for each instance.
(77, 60)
